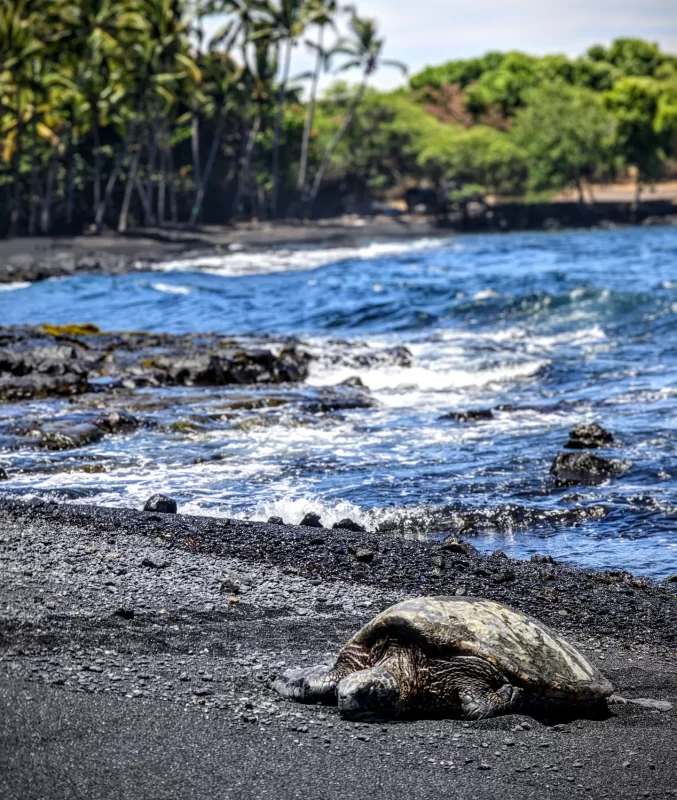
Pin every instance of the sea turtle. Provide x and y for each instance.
(449, 656)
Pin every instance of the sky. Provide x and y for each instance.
(422, 32)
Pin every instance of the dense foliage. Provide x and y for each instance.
(122, 112)
(119, 112)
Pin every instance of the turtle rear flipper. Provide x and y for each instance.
(309, 685)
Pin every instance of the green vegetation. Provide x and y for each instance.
(121, 113)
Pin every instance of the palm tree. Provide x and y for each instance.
(321, 13)
(364, 51)
(159, 59)
(288, 23)
(21, 43)
(222, 77)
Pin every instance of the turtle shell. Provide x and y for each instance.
(528, 653)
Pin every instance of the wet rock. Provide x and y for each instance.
(589, 435)
(349, 525)
(275, 521)
(64, 434)
(161, 504)
(339, 398)
(311, 520)
(3, 474)
(355, 381)
(572, 468)
(363, 555)
(453, 545)
(66, 360)
(472, 415)
(671, 578)
(117, 422)
(539, 559)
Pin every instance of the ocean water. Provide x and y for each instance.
(562, 328)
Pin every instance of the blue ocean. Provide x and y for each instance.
(546, 330)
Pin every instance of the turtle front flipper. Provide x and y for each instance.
(481, 705)
(309, 685)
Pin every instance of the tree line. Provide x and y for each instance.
(119, 113)
(511, 124)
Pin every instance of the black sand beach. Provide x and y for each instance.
(136, 651)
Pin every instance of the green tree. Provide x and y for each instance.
(566, 136)
(634, 103)
(364, 50)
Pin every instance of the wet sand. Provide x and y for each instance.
(136, 652)
(39, 258)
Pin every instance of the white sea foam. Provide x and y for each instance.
(388, 378)
(169, 288)
(252, 262)
(14, 286)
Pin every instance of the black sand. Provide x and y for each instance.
(136, 651)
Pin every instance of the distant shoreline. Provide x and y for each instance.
(29, 259)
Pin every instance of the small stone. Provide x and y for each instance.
(3, 474)
(483, 765)
(311, 520)
(349, 525)
(364, 556)
(539, 559)
(184, 676)
(148, 562)
(471, 415)
(161, 504)
(671, 578)
(275, 521)
(453, 545)
(230, 586)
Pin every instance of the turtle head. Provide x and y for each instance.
(369, 694)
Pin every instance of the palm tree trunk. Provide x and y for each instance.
(33, 208)
(162, 189)
(148, 204)
(195, 148)
(310, 113)
(172, 188)
(197, 205)
(15, 217)
(127, 199)
(112, 178)
(329, 152)
(70, 185)
(282, 97)
(97, 154)
(46, 212)
(249, 159)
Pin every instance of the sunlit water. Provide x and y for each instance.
(567, 327)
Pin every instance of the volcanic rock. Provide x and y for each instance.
(311, 520)
(588, 435)
(161, 504)
(571, 468)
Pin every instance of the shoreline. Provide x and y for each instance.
(150, 640)
(27, 259)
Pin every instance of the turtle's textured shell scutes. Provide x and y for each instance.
(528, 653)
